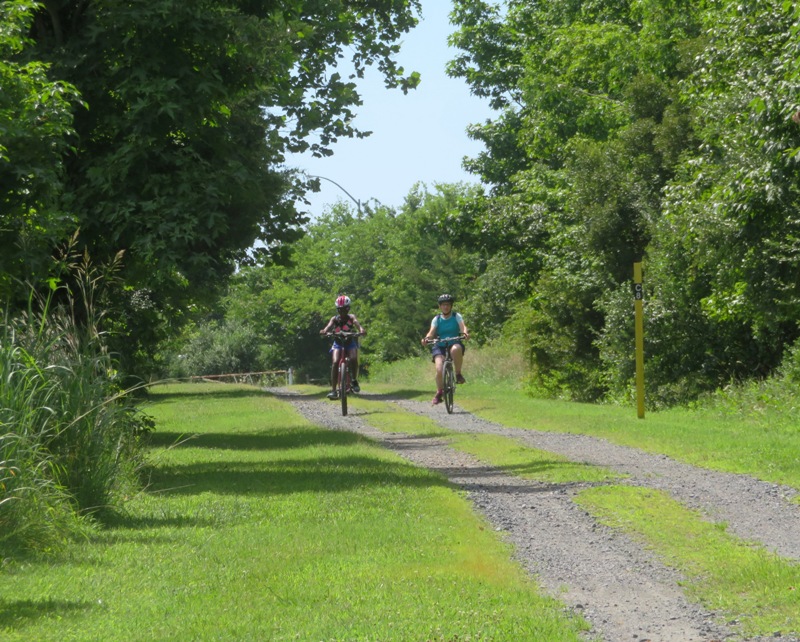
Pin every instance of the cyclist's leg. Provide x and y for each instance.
(438, 360)
(457, 353)
(353, 354)
(334, 371)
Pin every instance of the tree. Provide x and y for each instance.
(725, 255)
(36, 125)
(191, 107)
(393, 265)
(576, 159)
(189, 110)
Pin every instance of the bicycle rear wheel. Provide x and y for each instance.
(449, 386)
(344, 384)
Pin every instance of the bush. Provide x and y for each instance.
(70, 442)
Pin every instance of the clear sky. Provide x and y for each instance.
(417, 137)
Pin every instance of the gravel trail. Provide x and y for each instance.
(620, 588)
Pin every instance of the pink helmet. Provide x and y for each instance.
(343, 301)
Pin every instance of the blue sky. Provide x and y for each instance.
(418, 137)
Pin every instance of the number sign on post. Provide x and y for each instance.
(638, 298)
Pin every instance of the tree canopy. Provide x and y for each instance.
(655, 129)
(168, 122)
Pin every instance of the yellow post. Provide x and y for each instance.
(638, 297)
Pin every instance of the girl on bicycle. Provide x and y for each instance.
(446, 325)
(343, 321)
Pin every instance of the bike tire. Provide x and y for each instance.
(344, 377)
(449, 386)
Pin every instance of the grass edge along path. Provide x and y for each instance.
(754, 588)
(698, 437)
(712, 439)
(259, 525)
(507, 454)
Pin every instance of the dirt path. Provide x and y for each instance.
(621, 589)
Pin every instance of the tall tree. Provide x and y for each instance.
(725, 262)
(36, 125)
(189, 110)
(576, 159)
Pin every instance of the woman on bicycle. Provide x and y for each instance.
(446, 325)
(343, 321)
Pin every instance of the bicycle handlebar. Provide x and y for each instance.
(460, 337)
(342, 334)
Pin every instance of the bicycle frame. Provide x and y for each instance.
(448, 370)
(343, 377)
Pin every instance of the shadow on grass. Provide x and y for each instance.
(320, 475)
(254, 441)
(396, 394)
(18, 613)
(593, 475)
(223, 392)
(146, 523)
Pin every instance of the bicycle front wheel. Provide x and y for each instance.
(449, 386)
(344, 384)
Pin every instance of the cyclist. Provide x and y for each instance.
(343, 321)
(446, 325)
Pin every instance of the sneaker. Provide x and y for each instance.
(460, 378)
(437, 398)
(333, 394)
(356, 387)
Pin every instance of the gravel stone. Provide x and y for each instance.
(619, 587)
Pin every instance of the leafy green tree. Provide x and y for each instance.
(192, 107)
(576, 161)
(724, 266)
(393, 265)
(189, 109)
(421, 258)
(36, 125)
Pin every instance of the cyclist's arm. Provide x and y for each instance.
(358, 324)
(463, 327)
(431, 332)
(328, 327)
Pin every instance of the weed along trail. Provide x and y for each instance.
(608, 577)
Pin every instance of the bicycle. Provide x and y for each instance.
(448, 370)
(344, 383)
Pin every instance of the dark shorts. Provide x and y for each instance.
(350, 344)
(439, 349)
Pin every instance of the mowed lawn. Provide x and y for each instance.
(257, 525)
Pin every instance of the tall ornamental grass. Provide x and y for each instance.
(69, 440)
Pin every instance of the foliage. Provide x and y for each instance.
(220, 348)
(391, 265)
(724, 252)
(186, 113)
(191, 109)
(36, 123)
(655, 130)
(69, 440)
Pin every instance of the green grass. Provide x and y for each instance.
(257, 525)
(741, 581)
(718, 438)
(501, 452)
(759, 590)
